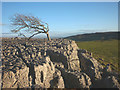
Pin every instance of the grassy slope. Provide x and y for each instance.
(95, 36)
(107, 50)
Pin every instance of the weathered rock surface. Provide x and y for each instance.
(100, 77)
(75, 79)
(46, 73)
(40, 75)
(52, 64)
(57, 81)
(14, 80)
(111, 82)
(90, 65)
(65, 53)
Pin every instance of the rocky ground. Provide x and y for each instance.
(58, 63)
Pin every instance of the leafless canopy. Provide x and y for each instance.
(29, 24)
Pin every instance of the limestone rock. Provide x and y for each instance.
(57, 81)
(75, 79)
(85, 81)
(8, 80)
(111, 82)
(90, 65)
(58, 63)
(107, 82)
(67, 56)
(17, 79)
(44, 73)
(33, 75)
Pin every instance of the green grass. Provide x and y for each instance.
(106, 50)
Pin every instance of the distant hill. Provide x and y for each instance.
(95, 36)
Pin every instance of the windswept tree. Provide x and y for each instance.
(29, 24)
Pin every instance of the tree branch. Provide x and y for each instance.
(29, 23)
(18, 29)
(34, 35)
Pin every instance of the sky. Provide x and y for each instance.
(65, 18)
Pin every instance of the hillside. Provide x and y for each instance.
(104, 51)
(95, 36)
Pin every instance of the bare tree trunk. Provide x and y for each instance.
(49, 39)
